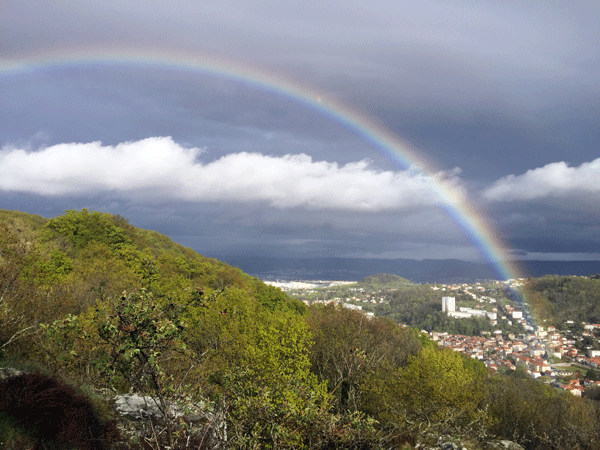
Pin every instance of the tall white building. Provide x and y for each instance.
(448, 304)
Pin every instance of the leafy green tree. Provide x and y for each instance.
(78, 228)
(128, 339)
(140, 333)
(54, 269)
(255, 365)
(441, 385)
(554, 297)
(132, 342)
(18, 294)
(438, 390)
(272, 398)
(538, 416)
(273, 298)
(98, 273)
(592, 374)
(141, 263)
(348, 346)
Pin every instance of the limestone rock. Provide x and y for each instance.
(141, 418)
(8, 372)
(140, 407)
(445, 442)
(503, 445)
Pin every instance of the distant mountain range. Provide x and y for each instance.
(425, 271)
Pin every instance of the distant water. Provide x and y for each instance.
(426, 271)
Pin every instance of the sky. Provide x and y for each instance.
(245, 128)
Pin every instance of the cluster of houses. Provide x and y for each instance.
(507, 312)
(531, 351)
(476, 290)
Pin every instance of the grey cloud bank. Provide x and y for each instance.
(509, 92)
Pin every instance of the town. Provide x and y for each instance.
(566, 358)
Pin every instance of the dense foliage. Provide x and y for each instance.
(96, 302)
(555, 298)
(383, 281)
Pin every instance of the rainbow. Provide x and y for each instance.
(479, 230)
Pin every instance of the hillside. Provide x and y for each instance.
(97, 253)
(90, 301)
(384, 281)
(556, 298)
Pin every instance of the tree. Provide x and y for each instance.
(17, 288)
(348, 346)
(257, 370)
(438, 388)
(78, 228)
(592, 374)
(129, 340)
(440, 384)
(514, 405)
(273, 298)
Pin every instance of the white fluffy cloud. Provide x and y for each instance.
(159, 168)
(553, 180)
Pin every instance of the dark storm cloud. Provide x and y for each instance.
(475, 76)
(506, 91)
(557, 245)
(117, 103)
(221, 231)
(549, 212)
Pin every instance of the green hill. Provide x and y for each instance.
(81, 254)
(384, 281)
(96, 303)
(557, 298)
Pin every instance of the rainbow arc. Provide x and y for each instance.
(473, 223)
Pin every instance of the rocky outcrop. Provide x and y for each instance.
(503, 445)
(138, 407)
(8, 372)
(143, 418)
(446, 442)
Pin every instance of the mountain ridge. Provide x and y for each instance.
(417, 271)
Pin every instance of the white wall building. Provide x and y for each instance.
(448, 304)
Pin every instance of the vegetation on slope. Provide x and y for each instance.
(555, 298)
(383, 281)
(96, 302)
